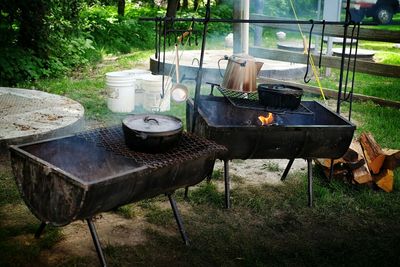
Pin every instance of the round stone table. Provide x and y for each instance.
(363, 54)
(31, 115)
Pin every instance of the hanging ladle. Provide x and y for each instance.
(179, 92)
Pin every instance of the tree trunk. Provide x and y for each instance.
(171, 11)
(195, 4)
(185, 4)
(121, 8)
(33, 33)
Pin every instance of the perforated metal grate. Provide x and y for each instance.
(11, 104)
(250, 100)
(189, 147)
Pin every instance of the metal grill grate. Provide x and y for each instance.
(250, 100)
(189, 147)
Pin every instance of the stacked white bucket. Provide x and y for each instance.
(153, 100)
(130, 89)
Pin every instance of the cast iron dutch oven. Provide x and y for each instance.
(151, 133)
(279, 96)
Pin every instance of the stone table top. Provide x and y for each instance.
(30, 115)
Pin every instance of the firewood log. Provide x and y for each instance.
(392, 159)
(350, 159)
(384, 180)
(373, 152)
(362, 174)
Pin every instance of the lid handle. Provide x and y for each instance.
(147, 119)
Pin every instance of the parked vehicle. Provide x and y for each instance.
(381, 10)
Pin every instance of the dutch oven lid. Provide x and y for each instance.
(152, 123)
(282, 89)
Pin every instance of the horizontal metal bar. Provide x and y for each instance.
(229, 20)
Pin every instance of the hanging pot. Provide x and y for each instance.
(241, 73)
(151, 133)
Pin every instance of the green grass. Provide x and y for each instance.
(271, 166)
(365, 84)
(9, 192)
(272, 226)
(127, 211)
(17, 252)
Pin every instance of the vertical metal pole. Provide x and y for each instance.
(227, 185)
(237, 29)
(354, 72)
(258, 30)
(285, 173)
(245, 26)
(96, 242)
(164, 48)
(310, 183)
(186, 196)
(331, 170)
(346, 25)
(39, 231)
(200, 70)
(178, 219)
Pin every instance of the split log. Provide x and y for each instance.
(373, 152)
(384, 180)
(351, 159)
(339, 172)
(392, 159)
(362, 174)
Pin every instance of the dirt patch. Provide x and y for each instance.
(259, 171)
(112, 229)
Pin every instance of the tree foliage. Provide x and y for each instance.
(45, 38)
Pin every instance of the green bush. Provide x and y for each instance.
(117, 34)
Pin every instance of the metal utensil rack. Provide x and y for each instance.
(348, 62)
(345, 92)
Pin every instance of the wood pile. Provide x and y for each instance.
(365, 162)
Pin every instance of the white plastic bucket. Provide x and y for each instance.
(135, 72)
(139, 91)
(152, 86)
(120, 91)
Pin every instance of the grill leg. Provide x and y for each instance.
(310, 183)
(96, 242)
(186, 196)
(227, 185)
(39, 231)
(331, 171)
(178, 220)
(285, 173)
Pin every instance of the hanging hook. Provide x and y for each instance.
(346, 95)
(156, 39)
(322, 44)
(193, 31)
(308, 53)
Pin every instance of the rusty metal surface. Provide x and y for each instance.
(323, 135)
(76, 177)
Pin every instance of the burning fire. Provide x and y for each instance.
(266, 120)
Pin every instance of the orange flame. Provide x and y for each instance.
(266, 120)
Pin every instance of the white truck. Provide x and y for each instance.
(381, 10)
